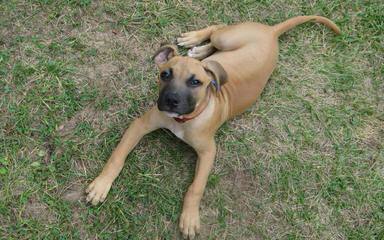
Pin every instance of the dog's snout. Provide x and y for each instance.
(175, 101)
(172, 99)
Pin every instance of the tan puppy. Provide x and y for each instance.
(197, 97)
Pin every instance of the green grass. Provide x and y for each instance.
(305, 162)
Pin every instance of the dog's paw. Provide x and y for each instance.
(97, 191)
(190, 223)
(190, 39)
(201, 52)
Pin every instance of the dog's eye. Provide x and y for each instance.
(166, 75)
(193, 82)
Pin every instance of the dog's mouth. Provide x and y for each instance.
(179, 110)
(173, 114)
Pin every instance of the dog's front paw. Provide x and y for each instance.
(97, 191)
(190, 223)
(201, 52)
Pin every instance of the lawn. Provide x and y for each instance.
(305, 162)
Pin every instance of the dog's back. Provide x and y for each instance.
(249, 52)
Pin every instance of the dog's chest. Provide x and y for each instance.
(177, 130)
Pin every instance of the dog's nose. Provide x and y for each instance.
(172, 99)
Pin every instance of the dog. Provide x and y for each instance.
(198, 93)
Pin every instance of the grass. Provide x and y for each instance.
(305, 162)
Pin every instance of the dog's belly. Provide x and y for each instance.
(248, 71)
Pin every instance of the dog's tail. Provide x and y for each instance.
(293, 22)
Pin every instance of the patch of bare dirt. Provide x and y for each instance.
(99, 76)
(35, 209)
(240, 190)
(78, 224)
(240, 182)
(371, 135)
(106, 69)
(74, 192)
(19, 186)
(98, 119)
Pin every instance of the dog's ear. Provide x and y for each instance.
(165, 53)
(218, 73)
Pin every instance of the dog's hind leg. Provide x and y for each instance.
(236, 36)
(194, 38)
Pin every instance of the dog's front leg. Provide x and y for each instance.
(190, 219)
(99, 188)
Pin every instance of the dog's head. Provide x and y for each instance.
(184, 81)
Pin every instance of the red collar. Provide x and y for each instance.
(181, 120)
(197, 111)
